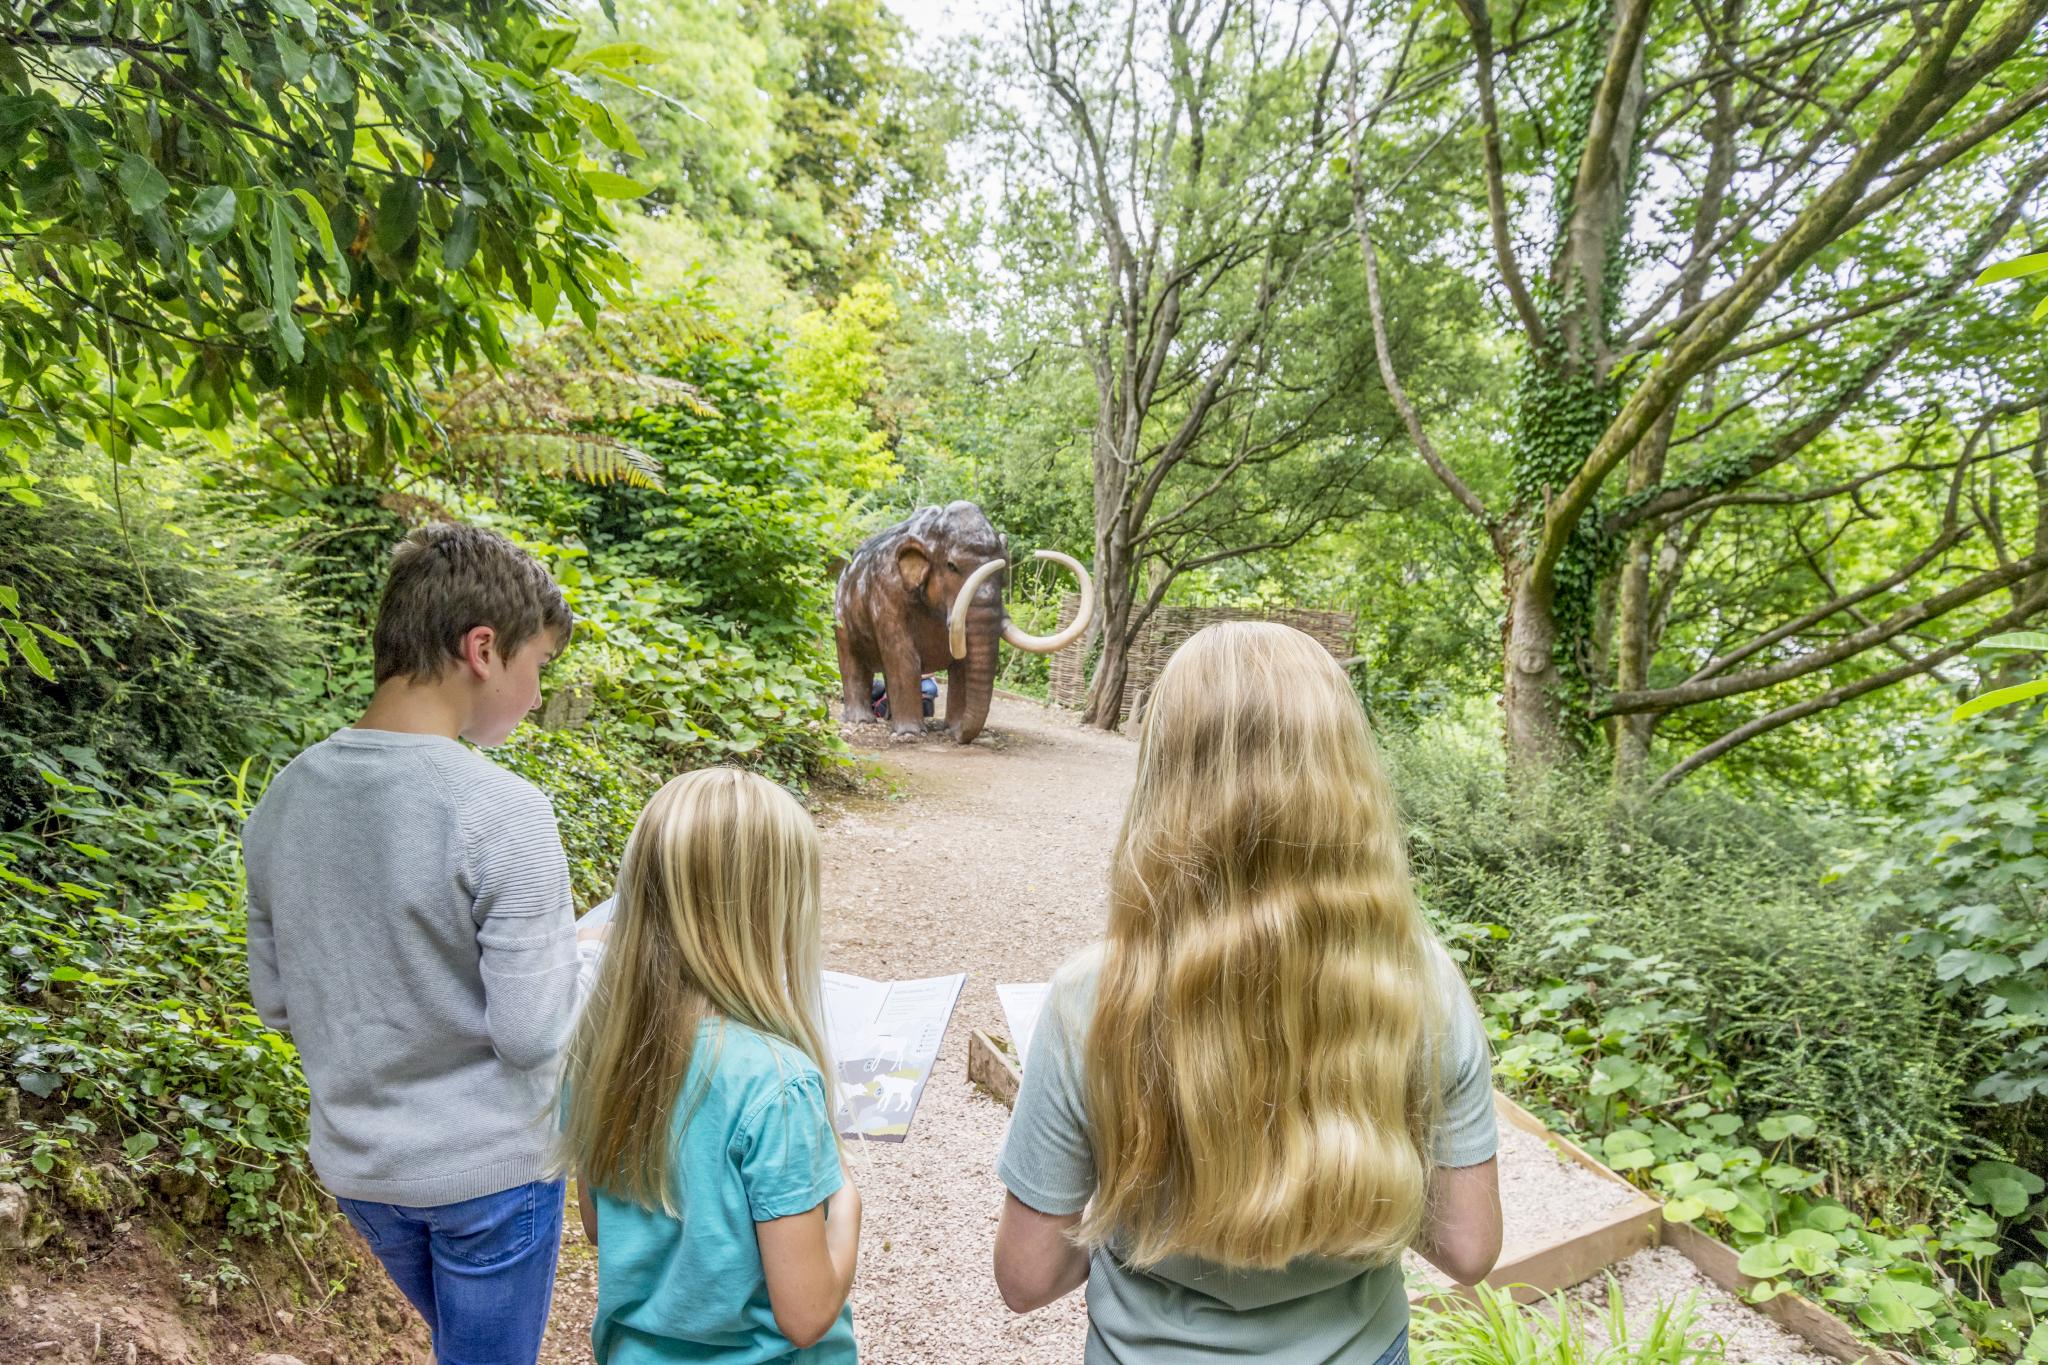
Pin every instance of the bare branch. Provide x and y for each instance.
(1834, 697)
(1496, 193)
(1691, 693)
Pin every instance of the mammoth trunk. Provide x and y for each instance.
(967, 713)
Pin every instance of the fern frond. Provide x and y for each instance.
(589, 457)
(416, 508)
(529, 417)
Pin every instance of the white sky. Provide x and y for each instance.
(938, 21)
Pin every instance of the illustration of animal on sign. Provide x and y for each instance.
(928, 593)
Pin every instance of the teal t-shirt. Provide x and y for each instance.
(758, 1146)
(1185, 1311)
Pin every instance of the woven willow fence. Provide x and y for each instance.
(1165, 632)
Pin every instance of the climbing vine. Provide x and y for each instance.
(1563, 403)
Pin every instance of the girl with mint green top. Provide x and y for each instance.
(1267, 1079)
(695, 1109)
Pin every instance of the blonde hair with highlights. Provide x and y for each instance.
(717, 917)
(1259, 1071)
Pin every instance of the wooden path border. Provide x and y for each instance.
(1548, 1268)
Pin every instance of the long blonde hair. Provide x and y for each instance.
(717, 916)
(1258, 1067)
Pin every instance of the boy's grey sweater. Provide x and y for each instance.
(410, 927)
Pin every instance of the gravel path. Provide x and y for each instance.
(1659, 1276)
(1544, 1196)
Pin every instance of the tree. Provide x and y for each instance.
(1184, 147)
(797, 125)
(1750, 213)
(857, 134)
(204, 203)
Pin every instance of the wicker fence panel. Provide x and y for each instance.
(1169, 628)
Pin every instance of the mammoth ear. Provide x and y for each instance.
(913, 562)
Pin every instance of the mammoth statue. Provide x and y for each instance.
(927, 593)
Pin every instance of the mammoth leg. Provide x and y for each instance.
(900, 673)
(856, 680)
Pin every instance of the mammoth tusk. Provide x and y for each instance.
(956, 622)
(1046, 644)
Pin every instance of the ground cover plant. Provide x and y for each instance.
(1495, 1330)
(1807, 1097)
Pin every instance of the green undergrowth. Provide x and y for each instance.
(1495, 1330)
(1687, 991)
(131, 1044)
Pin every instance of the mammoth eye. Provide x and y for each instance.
(953, 565)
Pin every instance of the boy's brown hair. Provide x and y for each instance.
(446, 580)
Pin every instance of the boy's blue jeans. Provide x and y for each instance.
(481, 1272)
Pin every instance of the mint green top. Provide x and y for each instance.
(1185, 1311)
(757, 1146)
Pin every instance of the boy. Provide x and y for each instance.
(410, 927)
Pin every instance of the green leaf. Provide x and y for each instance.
(1763, 1260)
(611, 185)
(212, 216)
(1614, 1074)
(2016, 639)
(284, 263)
(1682, 1210)
(398, 215)
(333, 82)
(292, 57)
(2006, 1188)
(2015, 269)
(42, 1085)
(1719, 1198)
(32, 652)
(460, 243)
(142, 183)
(1778, 1127)
(2003, 696)
(1827, 1217)
(140, 1145)
(617, 55)
(1886, 1310)
(317, 215)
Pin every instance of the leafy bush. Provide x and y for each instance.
(1710, 917)
(178, 651)
(747, 518)
(1679, 986)
(703, 606)
(689, 689)
(598, 781)
(125, 1024)
(1960, 871)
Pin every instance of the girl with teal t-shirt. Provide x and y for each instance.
(695, 1107)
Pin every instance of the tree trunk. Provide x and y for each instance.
(1531, 687)
(1635, 640)
(1113, 582)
